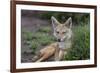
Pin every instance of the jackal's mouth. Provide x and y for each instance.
(60, 40)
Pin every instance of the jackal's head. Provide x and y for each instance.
(62, 31)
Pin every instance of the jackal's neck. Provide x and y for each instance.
(65, 44)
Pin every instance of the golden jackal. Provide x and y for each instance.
(63, 34)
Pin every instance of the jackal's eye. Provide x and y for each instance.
(57, 32)
(63, 32)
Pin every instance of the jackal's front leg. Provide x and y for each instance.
(56, 55)
(61, 55)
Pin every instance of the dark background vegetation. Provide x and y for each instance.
(37, 33)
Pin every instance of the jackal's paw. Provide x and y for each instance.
(34, 58)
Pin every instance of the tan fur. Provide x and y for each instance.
(47, 52)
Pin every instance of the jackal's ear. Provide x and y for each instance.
(54, 21)
(68, 23)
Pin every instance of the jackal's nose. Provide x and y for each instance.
(59, 40)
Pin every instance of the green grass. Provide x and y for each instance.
(45, 29)
(81, 44)
(34, 45)
(42, 37)
(27, 35)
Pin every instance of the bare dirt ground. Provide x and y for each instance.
(30, 24)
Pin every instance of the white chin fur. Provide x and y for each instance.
(61, 45)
